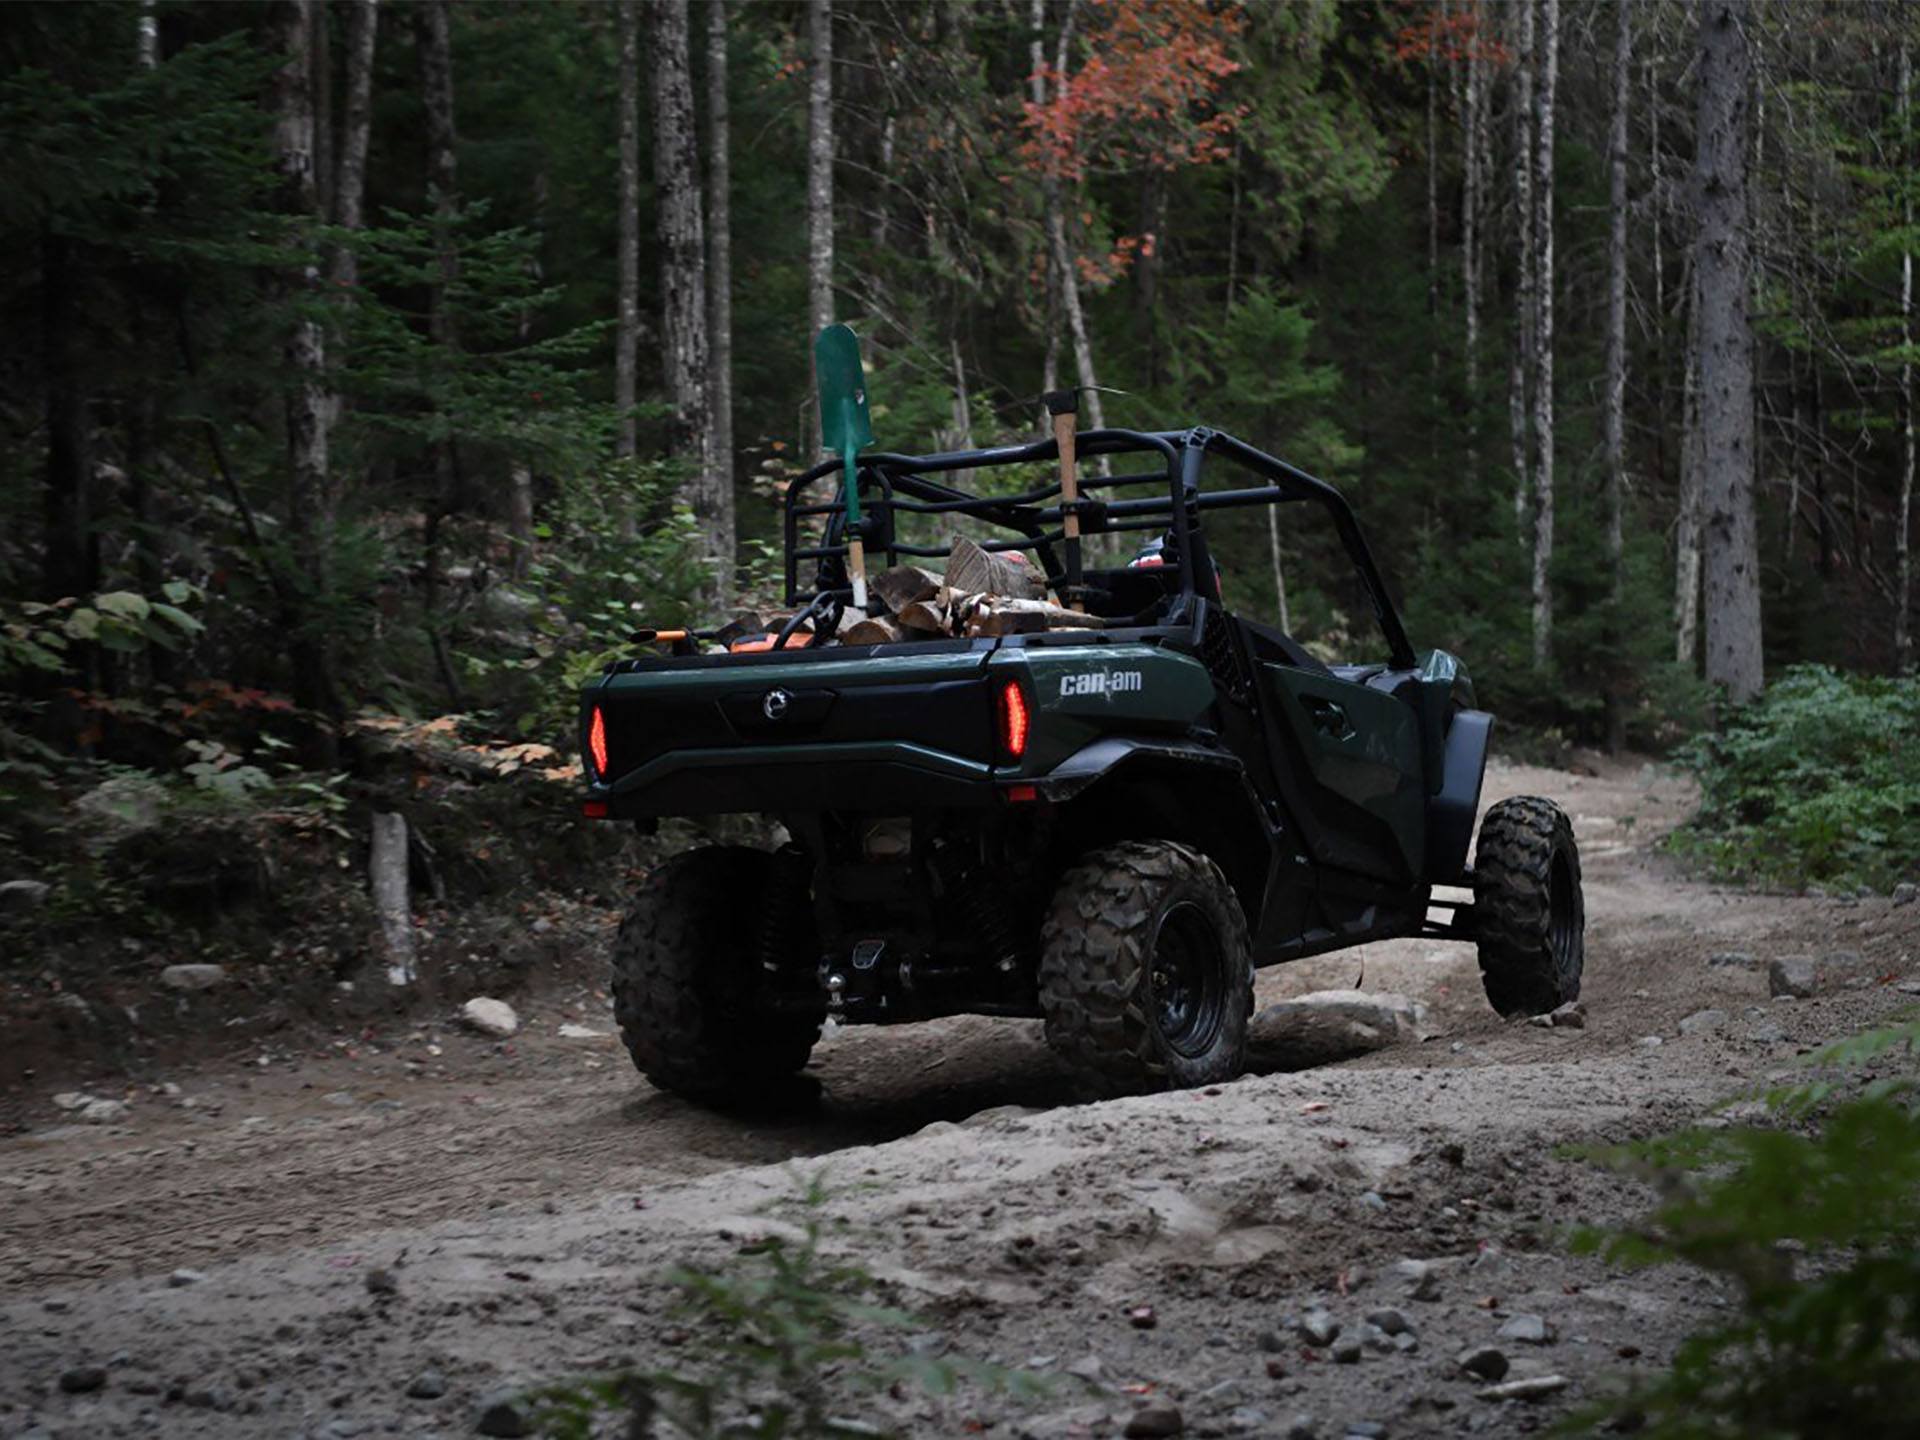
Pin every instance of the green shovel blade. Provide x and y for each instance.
(844, 423)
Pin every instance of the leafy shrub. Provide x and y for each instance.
(1819, 1229)
(1817, 780)
(773, 1327)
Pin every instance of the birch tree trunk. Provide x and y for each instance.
(148, 34)
(683, 283)
(1279, 570)
(1518, 408)
(1730, 552)
(820, 148)
(1614, 421)
(1067, 268)
(720, 243)
(1548, 41)
(309, 411)
(626, 341)
(1902, 541)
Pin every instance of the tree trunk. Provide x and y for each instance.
(148, 35)
(1050, 187)
(1067, 268)
(720, 242)
(320, 79)
(626, 344)
(1725, 340)
(1686, 548)
(1153, 218)
(433, 44)
(1518, 408)
(1548, 41)
(683, 285)
(1433, 238)
(1902, 543)
(820, 147)
(1614, 423)
(434, 34)
(1473, 129)
(350, 165)
(1279, 570)
(388, 873)
(70, 560)
(309, 409)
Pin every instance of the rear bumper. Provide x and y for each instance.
(884, 776)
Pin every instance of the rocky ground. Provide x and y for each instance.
(380, 1231)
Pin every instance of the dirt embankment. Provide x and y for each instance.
(527, 1196)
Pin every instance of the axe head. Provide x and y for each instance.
(1067, 402)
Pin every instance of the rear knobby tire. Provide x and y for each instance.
(1529, 915)
(1146, 974)
(687, 981)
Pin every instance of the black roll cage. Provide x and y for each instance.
(884, 478)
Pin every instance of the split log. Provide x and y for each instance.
(970, 568)
(387, 869)
(925, 616)
(997, 616)
(904, 585)
(870, 631)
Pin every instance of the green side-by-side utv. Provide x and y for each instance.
(1108, 827)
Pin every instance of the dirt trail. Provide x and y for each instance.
(528, 1195)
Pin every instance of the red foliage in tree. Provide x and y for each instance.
(1451, 35)
(1144, 95)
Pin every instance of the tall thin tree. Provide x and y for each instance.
(720, 240)
(350, 162)
(1730, 551)
(309, 412)
(820, 151)
(626, 340)
(1902, 536)
(1548, 41)
(682, 243)
(1519, 410)
(1614, 420)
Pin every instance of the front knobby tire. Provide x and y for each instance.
(1529, 913)
(1146, 973)
(687, 986)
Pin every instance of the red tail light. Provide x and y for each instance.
(1014, 719)
(597, 743)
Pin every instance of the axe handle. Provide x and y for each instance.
(1063, 437)
(857, 568)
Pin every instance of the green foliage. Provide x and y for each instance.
(772, 1328)
(1818, 780)
(1819, 1230)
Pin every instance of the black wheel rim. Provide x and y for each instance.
(1187, 981)
(1563, 924)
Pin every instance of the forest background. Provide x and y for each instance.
(367, 363)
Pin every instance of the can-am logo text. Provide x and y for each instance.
(1102, 682)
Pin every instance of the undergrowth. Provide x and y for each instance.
(1812, 1218)
(779, 1334)
(1818, 781)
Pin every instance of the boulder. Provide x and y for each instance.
(490, 1017)
(1794, 975)
(18, 895)
(192, 977)
(1330, 1025)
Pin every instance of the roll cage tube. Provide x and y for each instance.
(1182, 453)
